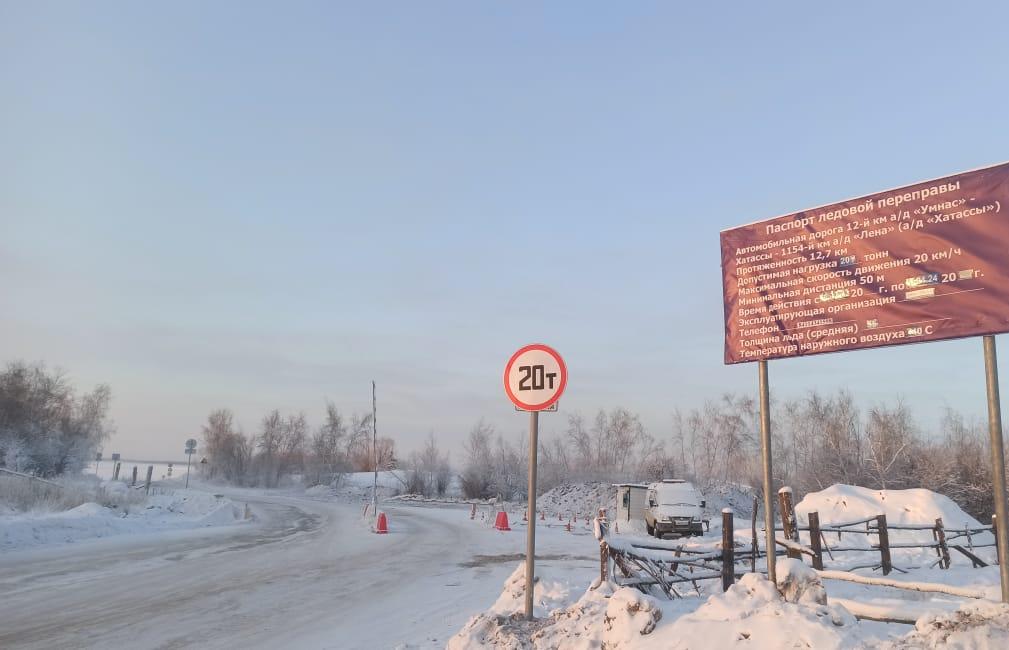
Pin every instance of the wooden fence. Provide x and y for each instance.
(944, 539)
(648, 564)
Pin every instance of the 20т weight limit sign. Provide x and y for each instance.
(535, 377)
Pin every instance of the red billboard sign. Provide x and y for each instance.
(925, 262)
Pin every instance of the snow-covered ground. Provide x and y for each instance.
(307, 572)
(575, 612)
(165, 509)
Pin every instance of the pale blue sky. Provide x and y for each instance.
(259, 205)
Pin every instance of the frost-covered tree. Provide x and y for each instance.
(45, 427)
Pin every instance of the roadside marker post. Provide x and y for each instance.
(534, 379)
(190, 450)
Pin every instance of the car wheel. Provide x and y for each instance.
(649, 529)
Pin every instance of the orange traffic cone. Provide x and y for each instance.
(472, 512)
(543, 515)
(382, 526)
(560, 517)
(501, 523)
(616, 527)
(567, 526)
(525, 515)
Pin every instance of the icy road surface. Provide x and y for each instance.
(308, 575)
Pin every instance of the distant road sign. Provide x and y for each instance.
(535, 377)
(191, 443)
(98, 456)
(115, 457)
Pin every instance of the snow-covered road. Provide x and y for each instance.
(308, 575)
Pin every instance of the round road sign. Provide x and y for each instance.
(535, 377)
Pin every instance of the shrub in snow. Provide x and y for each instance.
(976, 625)
(798, 583)
(630, 614)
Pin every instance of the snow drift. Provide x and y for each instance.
(183, 509)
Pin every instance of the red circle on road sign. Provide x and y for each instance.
(553, 396)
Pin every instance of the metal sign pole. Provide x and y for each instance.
(189, 459)
(765, 454)
(997, 462)
(374, 449)
(534, 426)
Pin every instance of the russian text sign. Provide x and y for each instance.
(535, 377)
(921, 263)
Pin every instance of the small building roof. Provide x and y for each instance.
(643, 486)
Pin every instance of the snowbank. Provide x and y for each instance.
(578, 499)
(182, 509)
(845, 503)
(752, 614)
(356, 487)
(976, 625)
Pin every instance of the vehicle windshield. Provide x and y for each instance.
(677, 498)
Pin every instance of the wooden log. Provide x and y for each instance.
(728, 547)
(814, 539)
(147, 485)
(133, 483)
(975, 560)
(30, 477)
(942, 550)
(884, 544)
(788, 520)
(826, 545)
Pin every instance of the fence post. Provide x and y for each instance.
(147, 486)
(728, 550)
(115, 472)
(943, 550)
(884, 544)
(753, 529)
(814, 540)
(134, 482)
(788, 521)
(601, 531)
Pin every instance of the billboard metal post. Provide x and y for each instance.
(374, 450)
(997, 462)
(765, 457)
(534, 430)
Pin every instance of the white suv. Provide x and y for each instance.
(673, 507)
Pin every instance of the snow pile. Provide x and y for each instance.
(183, 509)
(846, 503)
(503, 625)
(318, 491)
(976, 625)
(728, 495)
(578, 499)
(752, 613)
(357, 487)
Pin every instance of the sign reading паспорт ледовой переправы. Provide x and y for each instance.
(925, 262)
